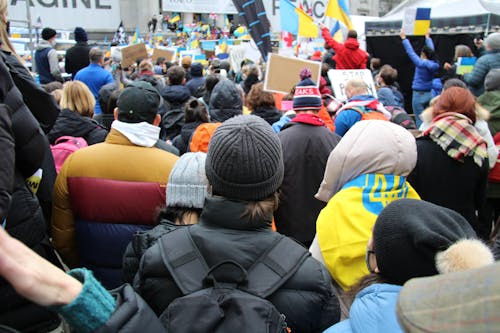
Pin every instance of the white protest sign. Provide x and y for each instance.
(339, 77)
(187, 53)
(236, 56)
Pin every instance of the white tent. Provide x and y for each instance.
(447, 16)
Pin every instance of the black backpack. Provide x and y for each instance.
(226, 297)
(172, 120)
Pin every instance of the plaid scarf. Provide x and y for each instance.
(457, 136)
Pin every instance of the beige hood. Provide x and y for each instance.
(370, 146)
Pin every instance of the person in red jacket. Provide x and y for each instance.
(348, 55)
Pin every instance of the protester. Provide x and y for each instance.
(77, 57)
(261, 104)
(106, 178)
(146, 74)
(108, 96)
(195, 115)
(187, 189)
(425, 69)
(197, 83)
(225, 101)
(371, 162)
(453, 138)
(388, 94)
(46, 59)
(94, 76)
(375, 66)
(175, 96)
(347, 55)
(186, 62)
(75, 119)
(306, 143)
(451, 69)
(252, 77)
(411, 238)
(490, 60)
(210, 82)
(360, 106)
(160, 67)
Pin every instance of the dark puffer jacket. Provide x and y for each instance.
(175, 98)
(7, 160)
(25, 218)
(225, 101)
(307, 299)
(181, 141)
(268, 113)
(73, 124)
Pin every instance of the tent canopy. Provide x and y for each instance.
(447, 17)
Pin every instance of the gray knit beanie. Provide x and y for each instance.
(492, 80)
(244, 159)
(187, 184)
(493, 41)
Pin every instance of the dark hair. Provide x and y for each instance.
(352, 34)
(195, 112)
(51, 86)
(429, 52)
(175, 75)
(112, 102)
(262, 209)
(362, 283)
(176, 214)
(388, 74)
(160, 61)
(454, 83)
(211, 81)
(375, 63)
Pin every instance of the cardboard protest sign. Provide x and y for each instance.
(339, 77)
(131, 53)
(417, 21)
(236, 56)
(168, 54)
(282, 73)
(465, 65)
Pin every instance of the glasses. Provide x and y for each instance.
(368, 260)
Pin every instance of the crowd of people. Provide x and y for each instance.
(189, 199)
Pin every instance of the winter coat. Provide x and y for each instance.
(181, 141)
(47, 63)
(175, 99)
(269, 114)
(72, 123)
(307, 299)
(373, 310)
(25, 219)
(194, 84)
(225, 101)
(103, 194)
(77, 57)
(373, 152)
(424, 69)
(483, 65)
(347, 55)
(490, 100)
(95, 77)
(7, 162)
(390, 96)
(305, 152)
(41, 104)
(440, 179)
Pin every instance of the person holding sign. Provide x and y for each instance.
(425, 69)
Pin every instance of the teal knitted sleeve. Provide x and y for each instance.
(92, 308)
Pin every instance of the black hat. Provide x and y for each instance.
(196, 69)
(138, 102)
(80, 35)
(409, 233)
(244, 159)
(48, 33)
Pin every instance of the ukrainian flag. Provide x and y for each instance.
(175, 18)
(296, 21)
(338, 9)
(137, 35)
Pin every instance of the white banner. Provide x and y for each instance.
(199, 6)
(68, 14)
(339, 77)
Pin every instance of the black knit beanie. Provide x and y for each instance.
(48, 33)
(409, 233)
(244, 159)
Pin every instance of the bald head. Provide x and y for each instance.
(355, 87)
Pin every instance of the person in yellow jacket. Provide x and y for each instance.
(365, 172)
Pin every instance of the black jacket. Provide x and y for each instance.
(307, 299)
(175, 98)
(305, 151)
(181, 141)
(73, 124)
(225, 101)
(268, 113)
(7, 160)
(440, 179)
(77, 57)
(42, 105)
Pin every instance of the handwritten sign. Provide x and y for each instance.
(339, 77)
(131, 53)
(167, 54)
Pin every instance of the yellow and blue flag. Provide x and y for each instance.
(174, 18)
(296, 21)
(339, 10)
(417, 21)
(137, 36)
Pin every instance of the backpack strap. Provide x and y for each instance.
(275, 267)
(183, 260)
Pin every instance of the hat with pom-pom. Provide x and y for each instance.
(307, 96)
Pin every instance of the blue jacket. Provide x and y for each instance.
(347, 118)
(373, 310)
(390, 96)
(424, 69)
(487, 62)
(94, 76)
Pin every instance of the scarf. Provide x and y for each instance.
(308, 118)
(367, 103)
(457, 136)
(140, 134)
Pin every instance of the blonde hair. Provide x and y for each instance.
(4, 36)
(145, 65)
(78, 98)
(57, 95)
(357, 86)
